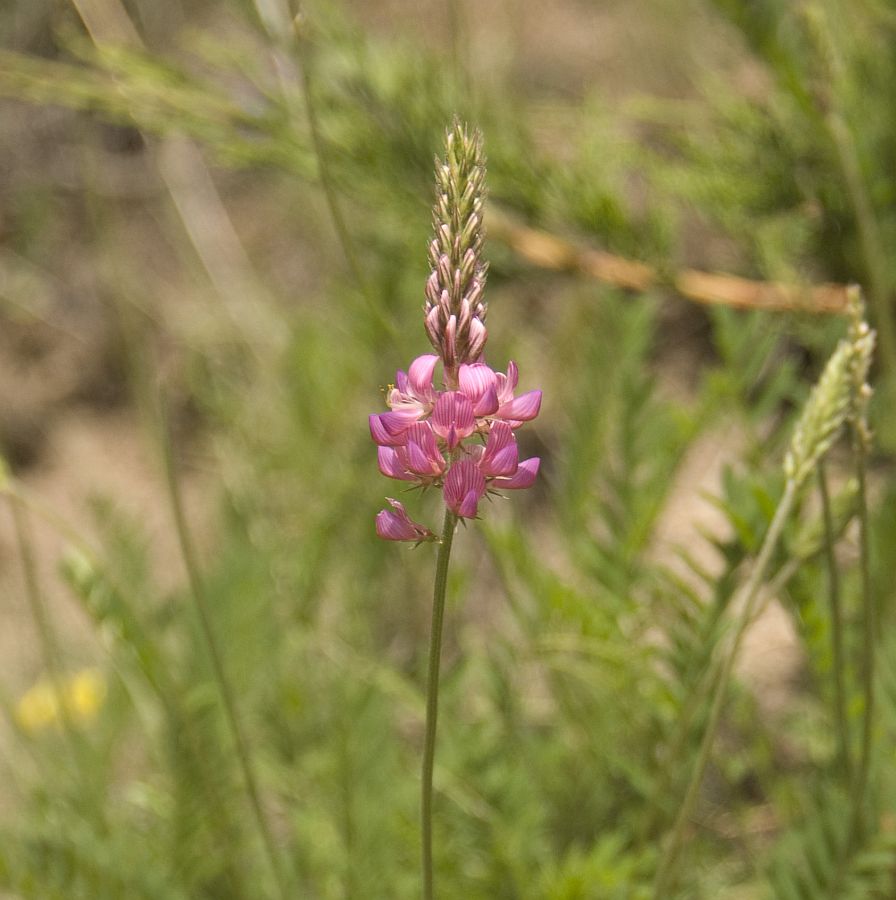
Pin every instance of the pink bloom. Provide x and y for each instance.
(480, 385)
(464, 486)
(393, 463)
(452, 418)
(388, 429)
(423, 457)
(523, 477)
(395, 525)
(500, 456)
(410, 400)
(515, 410)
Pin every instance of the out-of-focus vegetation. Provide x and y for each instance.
(220, 222)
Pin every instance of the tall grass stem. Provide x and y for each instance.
(836, 610)
(869, 643)
(225, 689)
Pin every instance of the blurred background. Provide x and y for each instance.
(213, 229)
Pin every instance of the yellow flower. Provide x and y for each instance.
(82, 694)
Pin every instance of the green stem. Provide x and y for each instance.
(869, 636)
(46, 637)
(328, 186)
(432, 698)
(859, 785)
(836, 627)
(665, 875)
(225, 689)
(323, 168)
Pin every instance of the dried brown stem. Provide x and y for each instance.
(547, 251)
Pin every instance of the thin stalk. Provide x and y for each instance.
(666, 871)
(225, 689)
(46, 637)
(836, 605)
(432, 698)
(869, 643)
(329, 188)
(859, 785)
(323, 169)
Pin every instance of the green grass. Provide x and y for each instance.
(575, 684)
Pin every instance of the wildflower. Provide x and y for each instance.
(76, 698)
(453, 418)
(410, 400)
(464, 487)
(395, 525)
(459, 436)
(439, 449)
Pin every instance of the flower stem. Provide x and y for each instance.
(432, 697)
(836, 627)
(664, 881)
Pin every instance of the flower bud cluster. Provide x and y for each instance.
(455, 309)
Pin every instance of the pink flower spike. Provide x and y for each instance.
(395, 525)
(464, 486)
(520, 409)
(478, 383)
(524, 476)
(423, 452)
(452, 418)
(501, 456)
(393, 463)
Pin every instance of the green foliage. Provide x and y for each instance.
(582, 643)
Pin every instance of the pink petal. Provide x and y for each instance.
(423, 452)
(395, 525)
(420, 377)
(398, 421)
(464, 485)
(521, 409)
(507, 383)
(501, 456)
(523, 477)
(381, 435)
(452, 418)
(393, 463)
(477, 382)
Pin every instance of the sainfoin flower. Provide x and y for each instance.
(461, 441)
(396, 525)
(456, 435)
(459, 436)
